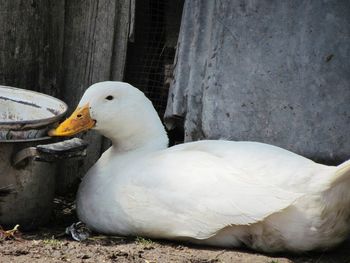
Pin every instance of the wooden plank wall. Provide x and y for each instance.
(31, 44)
(60, 47)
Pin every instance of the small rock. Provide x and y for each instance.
(119, 254)
(85, 256)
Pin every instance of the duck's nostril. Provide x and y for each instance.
(79, 115)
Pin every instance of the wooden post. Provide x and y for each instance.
(31, 44)
(60, 48)
(95, 41)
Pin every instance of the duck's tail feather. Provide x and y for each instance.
(342, 174)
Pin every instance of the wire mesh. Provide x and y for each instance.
(150, 57)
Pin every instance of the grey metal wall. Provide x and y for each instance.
(269, 71)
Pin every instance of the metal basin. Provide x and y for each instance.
(26, 115)
(28, 156)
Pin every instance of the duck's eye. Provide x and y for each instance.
(110, 97)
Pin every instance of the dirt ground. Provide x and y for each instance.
(50, 244)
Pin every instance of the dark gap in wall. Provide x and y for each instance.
(150, 57)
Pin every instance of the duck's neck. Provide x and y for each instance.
(133, 144)
(148, 135)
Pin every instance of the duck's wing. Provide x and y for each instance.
(268, 163)
(195, 194)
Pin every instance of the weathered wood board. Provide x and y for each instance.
(61, 48)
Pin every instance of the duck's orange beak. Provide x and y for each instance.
(79, 121)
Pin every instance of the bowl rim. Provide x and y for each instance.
(29, 124)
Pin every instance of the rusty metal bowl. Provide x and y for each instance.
(27, 115)
(28, 157)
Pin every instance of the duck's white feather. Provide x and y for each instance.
(211, 192)
(196, 193)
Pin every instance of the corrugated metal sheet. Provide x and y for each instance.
(270, 71)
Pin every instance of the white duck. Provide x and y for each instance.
(219, 193)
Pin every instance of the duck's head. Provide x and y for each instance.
(118, 111)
